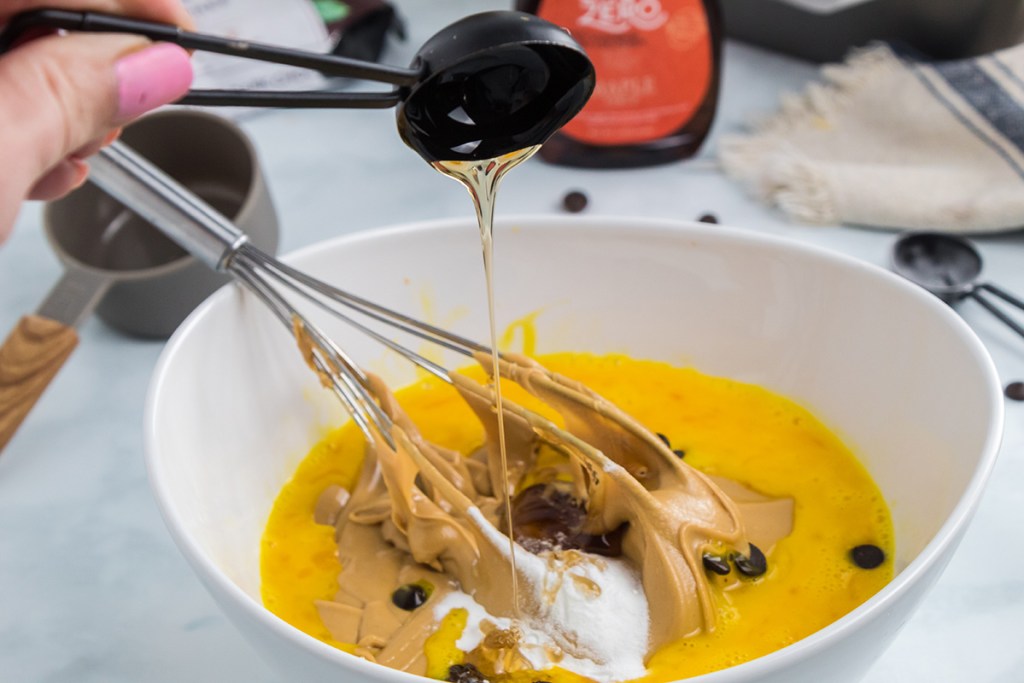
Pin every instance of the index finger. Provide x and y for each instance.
(164, 11)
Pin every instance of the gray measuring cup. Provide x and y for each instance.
(137, 280)
(157, 283)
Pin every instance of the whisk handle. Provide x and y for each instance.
(161, 201)
(29, 359)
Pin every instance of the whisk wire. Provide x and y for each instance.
(323, 296)
(393, 319)
(329, 362)
(212, 238)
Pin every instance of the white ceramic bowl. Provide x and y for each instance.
(232, 409)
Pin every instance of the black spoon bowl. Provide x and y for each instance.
(491, 84)
(949, 267)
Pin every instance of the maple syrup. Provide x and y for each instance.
(481, 179)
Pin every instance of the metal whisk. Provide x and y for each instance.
(639, 465)
(214, 240)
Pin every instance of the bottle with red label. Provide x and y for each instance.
(657, 64)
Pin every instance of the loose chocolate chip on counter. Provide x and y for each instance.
(1014, 391)
(708, 218)
(664, 439)
(716, 564)
(574, 201)
(409, 597)
(867, 556)
(754, 565)
(465, 673)
(680, 453)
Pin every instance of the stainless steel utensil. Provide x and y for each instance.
(211, 238)
(136, 279)
(212, 157)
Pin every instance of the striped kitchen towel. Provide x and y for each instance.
(891, 142)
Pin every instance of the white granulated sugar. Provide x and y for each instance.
(603, 636)
(606, 633)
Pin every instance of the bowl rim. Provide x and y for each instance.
(934, 553)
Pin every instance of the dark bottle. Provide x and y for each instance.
(657, 64)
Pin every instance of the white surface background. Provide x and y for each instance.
(91, 586)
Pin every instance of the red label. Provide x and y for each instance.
(653, 62)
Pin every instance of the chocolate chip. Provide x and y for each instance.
(574, 201)
(1014, 391)
(867, 556)
(548, 517)
(664, 439)
(680, 453)
(708, 218)
(716, 564)
(465, 673)
(754, 565)
(409, 597)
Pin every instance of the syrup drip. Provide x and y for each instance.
(481, 179)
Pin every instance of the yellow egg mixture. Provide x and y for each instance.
(726, 428)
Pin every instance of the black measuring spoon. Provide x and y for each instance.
(489, 84)
(949, 267)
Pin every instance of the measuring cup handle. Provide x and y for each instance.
(991, 308)
(1002, 294)
(30, 358)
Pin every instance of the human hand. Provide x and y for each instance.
(63, 97)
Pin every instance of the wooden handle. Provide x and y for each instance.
(29, 359)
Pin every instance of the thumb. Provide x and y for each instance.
(57, 94)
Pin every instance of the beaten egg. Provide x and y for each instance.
(721, 427)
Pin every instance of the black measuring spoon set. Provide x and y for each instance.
(487, 85)
(949, 267)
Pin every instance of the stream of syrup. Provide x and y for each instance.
(481, 179)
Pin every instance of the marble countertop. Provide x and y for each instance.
(92, 587)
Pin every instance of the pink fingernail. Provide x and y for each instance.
(152, 77)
